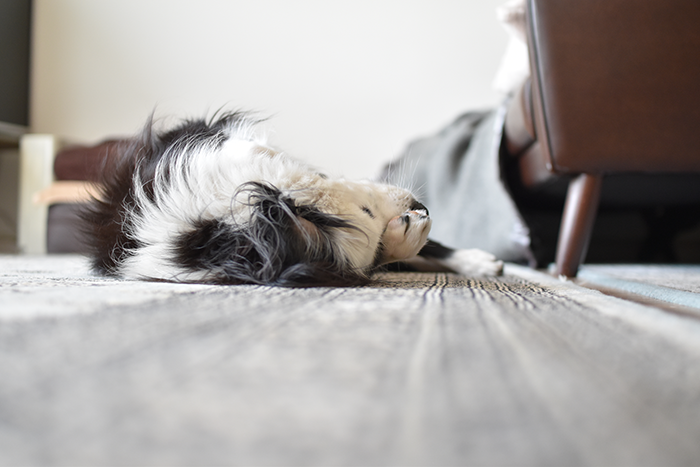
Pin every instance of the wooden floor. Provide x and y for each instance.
(420, 369)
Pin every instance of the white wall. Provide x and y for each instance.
(348, 83)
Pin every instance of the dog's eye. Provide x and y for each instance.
(368, 211)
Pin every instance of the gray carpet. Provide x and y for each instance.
(676, 284)
(420, 369)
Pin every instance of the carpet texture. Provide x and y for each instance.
(677, 284)
(418, 369)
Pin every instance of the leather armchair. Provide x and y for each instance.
(614, 89)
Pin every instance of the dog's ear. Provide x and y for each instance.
(282, 244)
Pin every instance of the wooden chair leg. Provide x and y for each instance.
(577, 223)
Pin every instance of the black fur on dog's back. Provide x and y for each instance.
(107, 219)
(269, 249)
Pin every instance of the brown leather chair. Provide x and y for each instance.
(614, 89)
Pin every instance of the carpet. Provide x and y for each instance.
(417, 369)
(677, 284)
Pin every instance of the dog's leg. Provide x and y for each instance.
(436, 257)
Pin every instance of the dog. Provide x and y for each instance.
(209, 201)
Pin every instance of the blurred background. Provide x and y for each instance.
(347, 84)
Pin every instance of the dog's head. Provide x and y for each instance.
(207, 203)
(326, 232)
(385, 223)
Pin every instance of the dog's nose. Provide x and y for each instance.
(416, 206)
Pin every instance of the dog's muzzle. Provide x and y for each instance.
(418, 207)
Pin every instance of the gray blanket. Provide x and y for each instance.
(456, 174)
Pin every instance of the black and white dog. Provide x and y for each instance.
(210, 201)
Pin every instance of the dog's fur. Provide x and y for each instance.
(210, 201)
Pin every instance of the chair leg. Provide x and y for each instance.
(577, 223)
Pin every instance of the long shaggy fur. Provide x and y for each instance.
(209, 201)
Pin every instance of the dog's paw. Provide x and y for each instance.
(475, 262)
